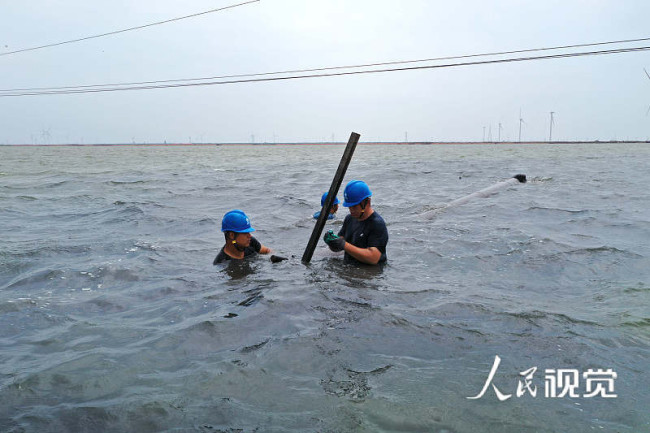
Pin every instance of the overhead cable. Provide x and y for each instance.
(331, 74)
(127, 30)
(331, 68)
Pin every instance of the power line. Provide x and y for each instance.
(333, 74)
(127, 30)
(295, 71)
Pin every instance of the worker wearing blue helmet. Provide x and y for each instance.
(333, 209)
(364, 235)
(237, 229)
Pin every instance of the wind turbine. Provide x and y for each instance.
(550, 132)
(500, 128)
(521, 120)
(45, 133)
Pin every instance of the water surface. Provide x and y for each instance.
(112, 317)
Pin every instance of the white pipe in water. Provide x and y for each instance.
(486, 192)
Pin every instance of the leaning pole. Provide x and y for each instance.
(331, 195)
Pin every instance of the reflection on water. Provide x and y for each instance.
(353, 276)
(238, 269)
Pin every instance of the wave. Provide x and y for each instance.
(641, 288)
(536, 316)
(254, 347)
(54, 184)
(34, 249)
(640, 323)
(537, 179)
(17, 305)
(112, 274)
(33, 279)
(603, 250)
(102, 305)
(126, 182)
(551, 209)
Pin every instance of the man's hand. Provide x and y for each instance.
(333, 241)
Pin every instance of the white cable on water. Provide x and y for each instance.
(486, 192)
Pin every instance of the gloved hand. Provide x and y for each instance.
(335, 243)
(276, 259)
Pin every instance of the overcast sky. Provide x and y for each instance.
(593, 97)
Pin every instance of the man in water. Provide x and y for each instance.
(333, 209)
(239, 242)
(363, 236)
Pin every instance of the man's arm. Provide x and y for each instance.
(257, 246)
(370, 255)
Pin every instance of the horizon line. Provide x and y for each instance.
(330, 143)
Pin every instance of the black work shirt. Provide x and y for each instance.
(254, 248)
(371, 232)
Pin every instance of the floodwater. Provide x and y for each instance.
(113, 319)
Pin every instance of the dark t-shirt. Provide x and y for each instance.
(254, 248)
(371, 232)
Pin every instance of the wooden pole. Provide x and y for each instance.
(333, 191)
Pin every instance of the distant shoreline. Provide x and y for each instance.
(371, 143)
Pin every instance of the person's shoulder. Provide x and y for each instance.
(255, 244)
(378, 225)
(221, 257)
(378, 219)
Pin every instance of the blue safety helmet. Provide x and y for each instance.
(322, 200)
(236, 221)
(355, 192)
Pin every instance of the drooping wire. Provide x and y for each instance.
(648, 75)
(333, 74)
(330, 68)
(127, 30)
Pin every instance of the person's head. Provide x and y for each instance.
(335, 205)
(356, 197)
(237, 229)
